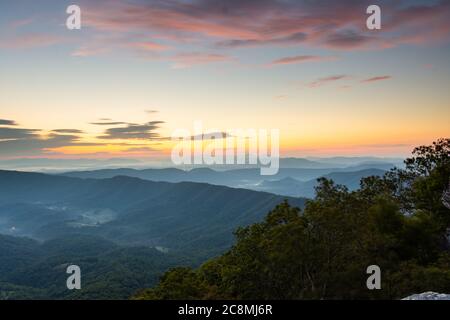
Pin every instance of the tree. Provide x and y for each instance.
(176, 284)
(322, 252)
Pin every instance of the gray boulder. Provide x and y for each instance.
(428, 296)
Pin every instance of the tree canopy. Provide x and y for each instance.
(398, 222)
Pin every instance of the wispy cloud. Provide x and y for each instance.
(27, 142)
(186, 60)
(107, 122)
(4, 122)
(209, 136)
(149, 46)
(301, 59)
(146, 131)
(348, 40)
(322, 81)
(16, 141)
(21, 23)
(140, 149)
(27, 41)
(89, 51)
(335, 78)
(289, 40)
(139, 25)
(236, 23)
(375, 79)
(70, 131)
(7, 133)
(384, 145)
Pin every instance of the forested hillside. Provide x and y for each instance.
(33, 270)
(122, 232)
(190, 217)
(398, 222)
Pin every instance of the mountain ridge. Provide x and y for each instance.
(129, 210)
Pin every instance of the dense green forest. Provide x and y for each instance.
(193, 218)
(122, 232)
(33, 270)
(398, 221)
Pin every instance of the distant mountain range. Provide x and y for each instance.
(292, 187)
(131, 211)
(337, 162)
(292, 181)
(46, 164)
(61, 165)
(350, 161)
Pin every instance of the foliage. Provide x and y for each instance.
(33, 270)
(397, 222)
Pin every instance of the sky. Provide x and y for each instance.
(139, 70)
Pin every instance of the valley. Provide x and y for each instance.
(124, 232)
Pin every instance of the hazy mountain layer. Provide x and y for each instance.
(131, 211)
(295, 188)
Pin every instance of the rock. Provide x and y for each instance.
(428, 296)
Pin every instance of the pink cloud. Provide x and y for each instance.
(236, 23)
(149, 46)
(100, 44)
(374, 79)
(21, 23)
(326, 80)
(300, 59)
(186, 60)
(228, 24)
(338, 25)
(164, 17)
(30, 41)
(87, 52)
